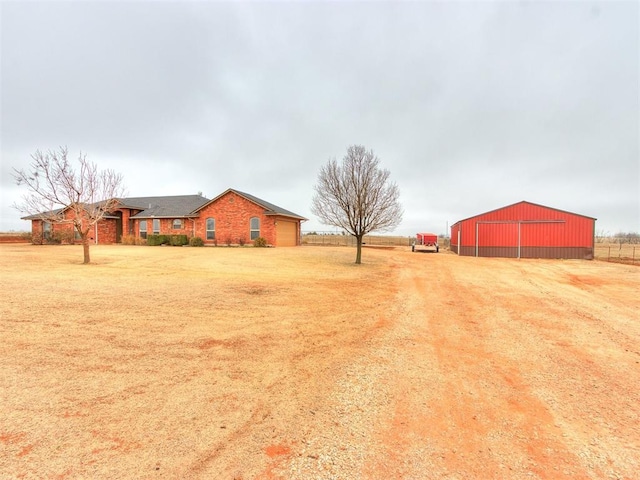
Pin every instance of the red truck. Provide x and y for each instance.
(425, 242)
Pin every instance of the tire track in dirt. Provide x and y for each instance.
(349, 409)
(463, 380)
(462, 409)
(588, 371)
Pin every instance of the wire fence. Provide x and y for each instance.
(610, 252)
(618, 252)
(346, 240)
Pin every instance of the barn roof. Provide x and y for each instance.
(520, 203)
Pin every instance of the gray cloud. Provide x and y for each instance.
(471, 106)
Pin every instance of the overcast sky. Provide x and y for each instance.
(470, 105)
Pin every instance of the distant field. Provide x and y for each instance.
(14, 237)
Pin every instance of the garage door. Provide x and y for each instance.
(286, 234)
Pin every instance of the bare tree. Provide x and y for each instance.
(59, 194)
(357, 196)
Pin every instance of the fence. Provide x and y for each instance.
(339, 239)
(618, 252)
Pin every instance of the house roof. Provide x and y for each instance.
(177, 206)
(169, 206)
(49, 214)
(270, 208)
(45, 215)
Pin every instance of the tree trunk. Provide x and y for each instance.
(85, 248)
(358, 249)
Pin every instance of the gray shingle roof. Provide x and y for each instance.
(170, 206)
(177, 206)
(44, 215)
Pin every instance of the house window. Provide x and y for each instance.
(76, 233)
(156, 226)
(46, 230)
(255, 228)
(143, 229)
(211, 229)
(177, 224)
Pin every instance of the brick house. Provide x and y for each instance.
(233, 217)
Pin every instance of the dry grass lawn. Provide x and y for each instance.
(242, 363)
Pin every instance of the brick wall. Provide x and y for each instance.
(166, 226)
(62, 231)
(106, 231)
(232, 214)
(36, 231)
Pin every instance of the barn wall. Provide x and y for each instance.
(453, 241)
(540, 232)
(581, 253)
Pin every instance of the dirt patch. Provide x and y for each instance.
(294, 363)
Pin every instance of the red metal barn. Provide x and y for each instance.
(525, 230)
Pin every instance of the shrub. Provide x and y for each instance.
(155, 240)
(128, 240)
(36, 239)
(196, 242)
(174, 240)
(132, 240)
(260, 242)
(178, 240)
(54, 238)
(241, 241)
(228, 241)
(67, 237)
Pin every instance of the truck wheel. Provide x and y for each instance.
(437, 249)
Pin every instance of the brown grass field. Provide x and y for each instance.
(14, 237)
(294, 363)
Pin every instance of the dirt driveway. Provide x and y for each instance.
(293, 363)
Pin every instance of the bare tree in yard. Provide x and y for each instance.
(357, 196)
(60, 194)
